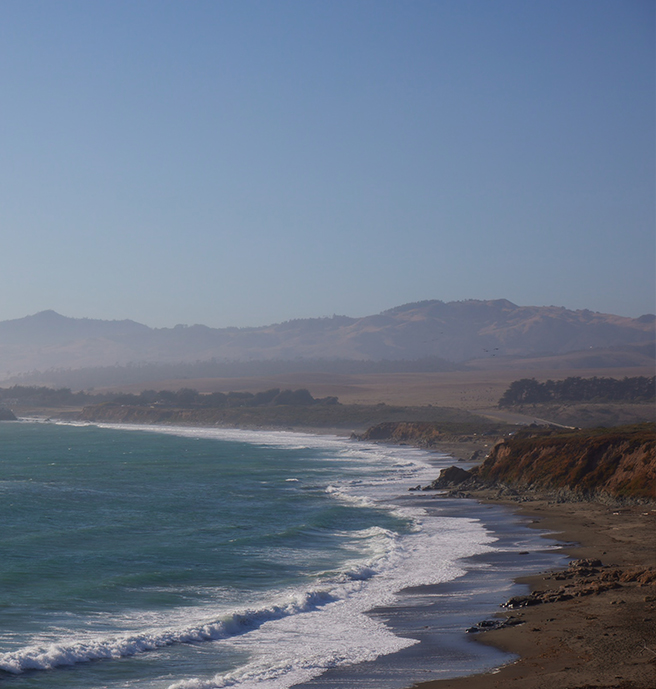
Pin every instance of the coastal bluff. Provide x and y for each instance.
(420, 434)
(595, 489)
(428, 434)
(591, 464)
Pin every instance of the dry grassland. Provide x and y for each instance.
(473, 390)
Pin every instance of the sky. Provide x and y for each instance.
(246, 162)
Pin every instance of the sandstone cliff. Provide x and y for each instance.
(421, 434)
(619, 462)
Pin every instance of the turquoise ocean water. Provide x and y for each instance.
(159, 558)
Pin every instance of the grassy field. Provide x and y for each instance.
(472, 390)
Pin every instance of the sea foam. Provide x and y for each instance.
(70, 652)
(296, 635)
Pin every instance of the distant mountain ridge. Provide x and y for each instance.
(454, 331)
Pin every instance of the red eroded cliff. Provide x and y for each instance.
(620, 461)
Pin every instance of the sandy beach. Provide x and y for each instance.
(604, 635)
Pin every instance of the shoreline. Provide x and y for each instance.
(604, 639)
(607, 639)
(438, 615)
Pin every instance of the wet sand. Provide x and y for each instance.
(606, 638)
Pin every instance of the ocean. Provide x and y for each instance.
(197, 558)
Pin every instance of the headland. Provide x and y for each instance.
(592, 625)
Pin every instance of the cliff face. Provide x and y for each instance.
(620, 462)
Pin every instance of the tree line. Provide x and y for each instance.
(22, 395)
(189, 398)
(41, 396)
(576, 389)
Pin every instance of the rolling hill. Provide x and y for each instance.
(452, 331)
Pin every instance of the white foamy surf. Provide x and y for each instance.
(293, 634)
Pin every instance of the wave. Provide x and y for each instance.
(54, 655)
(383, 562)
(337, 586)
(295, 650)
(385, 550)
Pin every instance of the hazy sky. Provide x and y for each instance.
(247, 162)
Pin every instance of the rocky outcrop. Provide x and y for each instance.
(450, 478)
(456, 425)
(7, 415)
(585, 578)
(422, 434)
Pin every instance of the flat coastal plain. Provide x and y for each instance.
(474, 389)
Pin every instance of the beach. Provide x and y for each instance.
(603, 639)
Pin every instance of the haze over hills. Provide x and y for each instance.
(453, 331)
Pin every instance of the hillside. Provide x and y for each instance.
(453, 331)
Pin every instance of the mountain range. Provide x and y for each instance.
(452, 331)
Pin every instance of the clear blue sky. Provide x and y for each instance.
(247, 162)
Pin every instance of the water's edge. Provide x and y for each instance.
(435, 616)
(439, 615)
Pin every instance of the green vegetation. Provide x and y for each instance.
(272, 408)
(186, 398)
(32, 396)
(529, 391)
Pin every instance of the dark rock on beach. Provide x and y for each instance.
(449, 477)
(7, 415)
(486, 625)
(586, 577)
